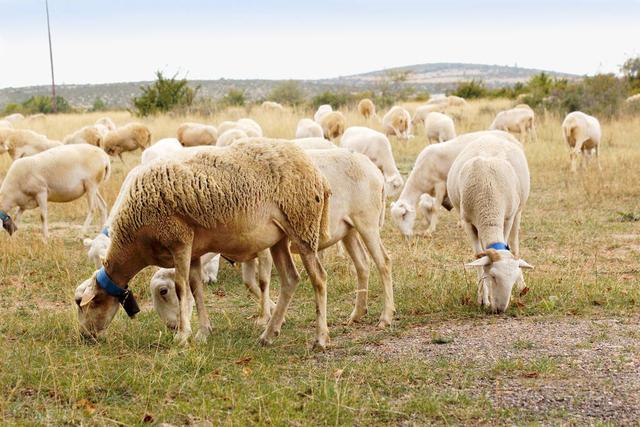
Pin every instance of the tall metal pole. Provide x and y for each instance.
(54, 103)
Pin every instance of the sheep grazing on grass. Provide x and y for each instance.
(91, 135)
(633, 99)
(397, 122)
(321, 111)
(333, 124)
(129, 137)
(250, 127)
(61, 174)
(193, 134)
(439, 127)
(516, 120)
(107, 123)
(377, 148)
(23, 143)
(273, 106)
(161, 149)
(489, 184)
(367, 108)
(14, 118)
(225, 126)
(164, 297)
(236, 201)
(307, 128)
(314, 143)
(422, 111)
(429, 176)
(6, 124)
(230, 136)
(582, 133)
(456, 101)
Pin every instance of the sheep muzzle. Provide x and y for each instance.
(9, 225)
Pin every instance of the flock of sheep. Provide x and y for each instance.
(229, 191)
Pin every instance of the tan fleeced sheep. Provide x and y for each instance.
(129, 137)
(225, 126)
(333, 124)
(236, 201)
(439, 127)
(308, 128)
(367, 108)
(516, 120)
(23, 143)
(91, 135)
(230, 136)
(107, 123)
(194, 134)
(397, 122)
(456, 101)
(273, 106)
(633, 99)
(61, 174)
(321, 111)
(582, 133)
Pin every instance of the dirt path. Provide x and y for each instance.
(573, 370)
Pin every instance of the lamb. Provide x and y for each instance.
(61, 174)
(429, 176)
(322, 110)
(439, 127)
(377, 148)
(163, 148)
(582, 133)
(23, 143)
(250, 127)
(237, 201)
(307, 128)
(397, 122)
(230, 136)
(91, 135)
(367, 108)
(193, 134)
(127, 138)
(518, 120)
(273, 106)
(107, 123)
(333, 124)
(488, 184)
(422, 111)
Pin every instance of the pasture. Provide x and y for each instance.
(566, 352)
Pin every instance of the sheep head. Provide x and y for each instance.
(164, 297)
(393, 185)
(96, 308)
(427, 205)
(7, 223)
(404, 217)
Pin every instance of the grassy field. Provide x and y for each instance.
(567, 352)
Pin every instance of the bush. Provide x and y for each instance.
(98, 105)
(422, 96)
(289, 92)
(39, 104)
(471, 89)
(602, 95)
(233, 98)
(164, 95)
(336, 100)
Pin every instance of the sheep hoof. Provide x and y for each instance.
(265, 341)
(203, 335)
(182, 338)
(263, 321)
(384, 322)
(356, 317)
(320, 344)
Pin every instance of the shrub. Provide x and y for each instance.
(39, 104)
(471, 89)
(164, 95)
(289, 92)
(233, 98)
(336, 100)
(98, 105)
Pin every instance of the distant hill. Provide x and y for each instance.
(435, 78)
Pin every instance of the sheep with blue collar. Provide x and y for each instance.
(489, 185)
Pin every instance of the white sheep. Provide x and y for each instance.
(129, 137)
(6, 124)
(397, 122)
(107, 123)
(439, 127)
(633, 98)
(582, 133)
(456, 101)
(164, 297)
(517, 120)
(421, 113)
(194, 134)
(163, 148)
(61, 174)
(314, 143)
(91, 135)
(23, 143)
(489, 184)
(377, 148)
(308, 128)
(321, 111)
(14, 118)
(230, 136)
(429, 176)
(225, 126)
(250, 127)
(273, 106)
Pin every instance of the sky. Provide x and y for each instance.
(103, 41)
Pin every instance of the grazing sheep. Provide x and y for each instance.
(194, 134)
(250, 127)
(633, 99)
(61, 174)
(583, 134)
(456, 101)
(367, 108)
(91, 135)
(230, 136)
(397, 122)
(273, 106)
(439, 127)
(333, 124)
(225, 126)
(6, 124)
(23, 143)
(429, 176)
(14, 118)
(438, 99)
(523, 106)
(377, 148)
(422, 111)
(129, 137)
(518, 120)
(164, 297)
(307, 128)
(237, 201)
(163, 148)
(36, 118)
(322, 110)
(107, 123)
(314, 143)
(488, 184)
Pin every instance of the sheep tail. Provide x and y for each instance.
(107, 171)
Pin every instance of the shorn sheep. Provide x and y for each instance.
(422, 111)
(367, 108)
(6, 124)
(428, 178)
(129, 137)
(107, 123)
(23, 143)
(91, 135)
(333, 124)
(517, 120)
(230, 136)
(321, 111)
(161, 149)
(193, 134)
(273, 106)
(582, 133)
(237, 201)
(439, 127)
(307, 128)
(14, 118)
(489, 184)
(397, 122)
(377, 148)
(61, 174)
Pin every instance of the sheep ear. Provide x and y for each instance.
(88, 295)
(87, 242)
(102, 260)
(480, 262)
(524, 264)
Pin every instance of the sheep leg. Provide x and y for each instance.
(91, 200)
(265, 265)
(249, 277)
(182, 262)
(318, 277)
(597, 149)
(440, 192)
(359, 258)
(514, 243)
(577, 150)
(482, 297)
(102, 206)
(534, 133)
(289, 279)
(41, 200)
(195, 283)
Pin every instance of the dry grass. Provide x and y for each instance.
(586, 260)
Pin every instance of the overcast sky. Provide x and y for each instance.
(127, 40)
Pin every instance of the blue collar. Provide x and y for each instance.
(499, 246)
(109, 285)
(4, 217)
(105, 231)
